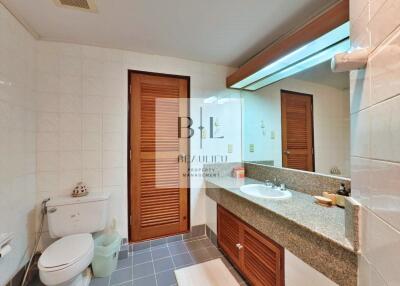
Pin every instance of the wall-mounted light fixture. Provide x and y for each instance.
(351, 60)
(311, 54)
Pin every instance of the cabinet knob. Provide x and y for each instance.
(239, 246)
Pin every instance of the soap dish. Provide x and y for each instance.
(326, 202)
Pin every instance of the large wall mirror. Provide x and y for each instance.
(301, 122)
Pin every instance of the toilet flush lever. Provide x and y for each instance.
(52, 210)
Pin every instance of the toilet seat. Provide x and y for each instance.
(66, 258)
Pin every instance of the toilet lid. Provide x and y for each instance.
(66, 250)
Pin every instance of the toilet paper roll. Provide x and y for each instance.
(5, 250)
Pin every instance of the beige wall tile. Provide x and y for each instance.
(385, 69)
(385, 130)
(384, 22)
(381, 246)
(360, 134)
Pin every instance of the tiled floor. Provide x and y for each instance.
(155, 266)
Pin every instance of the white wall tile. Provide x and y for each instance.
(361, 179)
(70, 141)
(70, 84)
(92, 104)
(381, 246)
(47, 181)
(112, 177)
(47, 141)
(357, 7)
(48, 122)
(93, 85)
(112, 123)
(360, 90)
(91, 141)
(93, 67)
(92, 177)
(47, 82)
(384, 194)
(112, 141)
(112, 105)
(70, 122)
(112, 159)
(47, 161)
(47, 62)
(384, 22)
(47, 101)
(359, 31)
(92, 122)
(68, 181)
(71, 103)
(363, 271)
(385, 69)
(385, 130)
(70, 160)
(71, 65)
(92, 159)
(360, 133)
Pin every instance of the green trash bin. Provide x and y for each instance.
(106, 249)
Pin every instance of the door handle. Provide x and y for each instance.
(287, 152)
(239, 246)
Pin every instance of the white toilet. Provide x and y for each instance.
(73, 219)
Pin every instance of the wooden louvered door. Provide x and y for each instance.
(297, 131)
(229, 232)
(158, 188)
(262, 261)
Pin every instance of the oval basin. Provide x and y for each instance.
(264, 192)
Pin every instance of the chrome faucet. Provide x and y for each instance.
(268, 183)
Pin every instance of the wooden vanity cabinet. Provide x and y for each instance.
(259, 259)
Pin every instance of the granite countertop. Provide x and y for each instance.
(328, 223)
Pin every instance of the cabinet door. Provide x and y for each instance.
(262, 259)
(229, 228)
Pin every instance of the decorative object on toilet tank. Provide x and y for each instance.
(80, 190)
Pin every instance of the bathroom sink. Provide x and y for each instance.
(265, 192)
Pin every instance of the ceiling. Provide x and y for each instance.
(322, 74)
(226, 32)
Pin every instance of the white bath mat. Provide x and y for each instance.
(210, 273)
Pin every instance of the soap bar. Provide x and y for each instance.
(330, 196)
(323, 201)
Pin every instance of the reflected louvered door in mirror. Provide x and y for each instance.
(297, 131)
(159, 189)
(262, 261)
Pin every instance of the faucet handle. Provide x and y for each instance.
(268, 183)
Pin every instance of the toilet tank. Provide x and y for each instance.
(68, 215)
